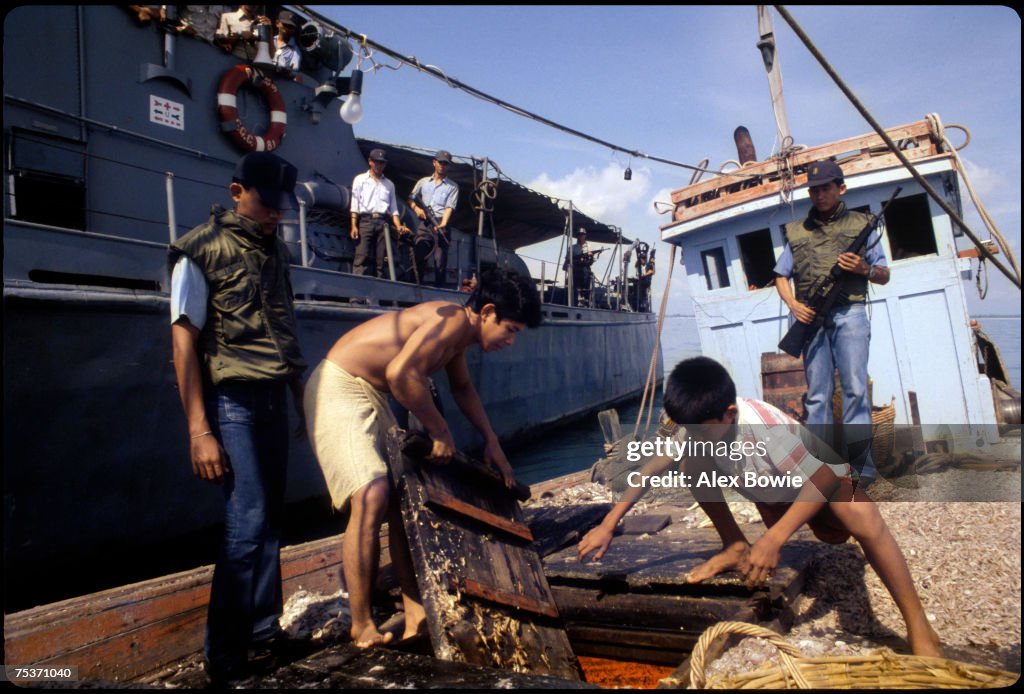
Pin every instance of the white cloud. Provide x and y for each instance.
(984, 180)
(601, 193)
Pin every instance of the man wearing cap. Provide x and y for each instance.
(582, 258)
(287, 56)
(813, 246)
(373, 199)
(437, 195)
(236, 354)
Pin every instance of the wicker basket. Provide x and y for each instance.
(883, 432)
(883, 669)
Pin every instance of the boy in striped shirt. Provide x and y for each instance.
(770, 459)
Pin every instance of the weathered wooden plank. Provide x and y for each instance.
(591, 605)
(438, 497)
(665, 559)
(477, 589)
(420, 447)
(463, 628)
(919, 131)
(644, 525)
(555, 527)
(689, 208)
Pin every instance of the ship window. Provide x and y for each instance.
(757, 256)
(48, 180)
(908, 223)
(53, 200)
(716, 274)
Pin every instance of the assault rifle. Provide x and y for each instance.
(431, 219)
(826, 292)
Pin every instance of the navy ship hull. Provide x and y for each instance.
(96, 454)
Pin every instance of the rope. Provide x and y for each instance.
(650, 385)
(941, 201)
(786, 651)
(936, 125)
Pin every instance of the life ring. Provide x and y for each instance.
(227, 110)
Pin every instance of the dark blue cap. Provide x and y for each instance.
(823, 172)
(271, 176)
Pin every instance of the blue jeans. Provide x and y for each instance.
(251, 422)
(843, 346)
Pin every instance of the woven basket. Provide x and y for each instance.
(883, 432)
(883, 669)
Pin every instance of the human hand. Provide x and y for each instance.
(443, 448)
(851, 262)
(802, 312)
(354, 234)
(209, 460)
(597, 541)
(729, 559)
(494, 456)
(761, 561)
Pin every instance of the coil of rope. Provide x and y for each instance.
(940, 132)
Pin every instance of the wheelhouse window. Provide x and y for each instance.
(757, 256)
(908, 224)
(716, 272)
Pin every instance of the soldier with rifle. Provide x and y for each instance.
(433, 200)
(813, 247)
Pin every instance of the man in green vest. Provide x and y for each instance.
(813, 246)
(236, 354)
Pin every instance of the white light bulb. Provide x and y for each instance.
(352, 110)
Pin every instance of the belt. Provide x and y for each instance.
(371, 215)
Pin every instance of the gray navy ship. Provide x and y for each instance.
(116, 141)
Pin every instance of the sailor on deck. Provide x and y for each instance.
(440, 195)
(373, 200)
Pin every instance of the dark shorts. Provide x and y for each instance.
(825, 525)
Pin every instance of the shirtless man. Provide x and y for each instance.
(348, 417)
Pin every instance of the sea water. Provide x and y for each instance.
(578, 445)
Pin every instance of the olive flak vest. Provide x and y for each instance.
(816, 245)
(250, 332)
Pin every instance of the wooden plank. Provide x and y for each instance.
(555, 527)
(440, 498)
(519, 602)
(919, 131)
(666, 558)
(478, 629)
(688, 209)
(419, 446)
(644, 525)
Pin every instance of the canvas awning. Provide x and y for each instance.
(521, 216)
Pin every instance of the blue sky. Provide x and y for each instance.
(675, 82)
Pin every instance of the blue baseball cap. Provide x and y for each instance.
(823, 172)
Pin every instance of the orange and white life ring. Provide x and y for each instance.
(227, 110)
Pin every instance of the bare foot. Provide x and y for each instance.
(926, 643)
(370, 637)
(728, 559)
(417, 628)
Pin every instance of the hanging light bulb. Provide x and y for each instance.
(352, 110)
(628, 175)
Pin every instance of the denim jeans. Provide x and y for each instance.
(251, 422)
(843, 346)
